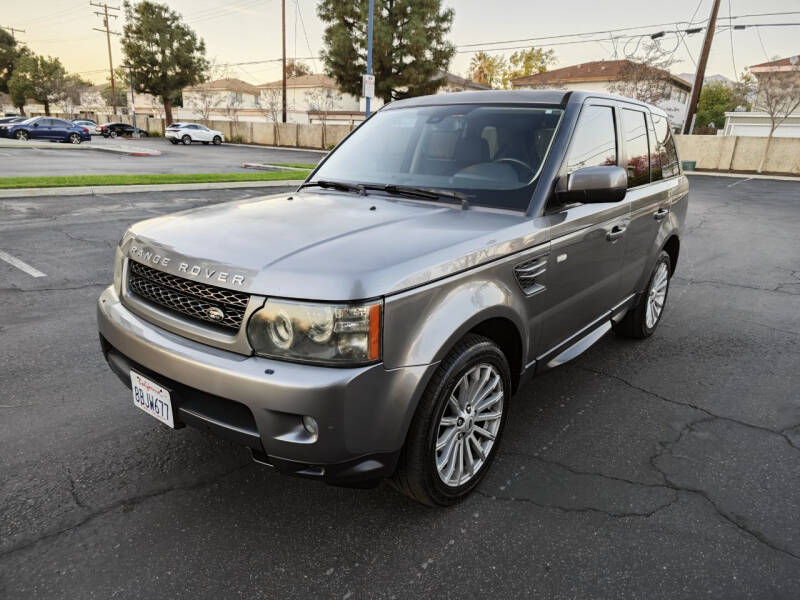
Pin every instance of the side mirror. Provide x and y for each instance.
(594, 185)
(35, 124)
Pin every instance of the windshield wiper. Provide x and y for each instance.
(337, 185)
(422, 192)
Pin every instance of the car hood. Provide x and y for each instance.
(327, 245)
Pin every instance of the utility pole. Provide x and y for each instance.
(12, 30)
(283, 60)
(701, 69)
(108, 33)
(367, 92)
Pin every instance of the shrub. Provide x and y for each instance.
(237, 139)
(154, 133)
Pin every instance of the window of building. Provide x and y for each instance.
(595, 140)
(634, 128)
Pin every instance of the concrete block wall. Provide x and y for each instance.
(740, 153)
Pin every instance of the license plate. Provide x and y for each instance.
(152, 398)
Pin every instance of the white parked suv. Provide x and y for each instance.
(186, 133)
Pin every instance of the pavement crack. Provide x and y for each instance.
(705, 411)
(776, 290)
(124, 503)
(81, 286)
(73, 492)
(586, 509)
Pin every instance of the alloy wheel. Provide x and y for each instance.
(469, 425)
(75, 138)
(656, 295)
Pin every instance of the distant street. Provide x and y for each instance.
(664, 468)
(197, 158)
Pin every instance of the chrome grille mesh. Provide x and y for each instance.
(189, 298)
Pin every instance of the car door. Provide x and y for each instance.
(40, 129)
(586, 249)
(647, 196)
(58, 129)
(203, 133)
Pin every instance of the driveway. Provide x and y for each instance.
(196, 158)
(666, 468)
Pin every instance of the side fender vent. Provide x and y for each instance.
(529, 273)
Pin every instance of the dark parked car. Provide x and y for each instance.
(7, 120)
(121, 130)
(46, 128)
(377, 321)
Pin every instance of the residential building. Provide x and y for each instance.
(757, 123)
(222, 97)
(454, 83)
(602, 76)
(310, 98)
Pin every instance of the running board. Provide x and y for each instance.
(580, 346)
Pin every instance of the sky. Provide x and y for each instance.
(238, 31)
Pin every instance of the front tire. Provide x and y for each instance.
(642, 320)
(456, 429)
(217, 140)
(74, 138)
(22, 135)
(113, 134)
(186, 140)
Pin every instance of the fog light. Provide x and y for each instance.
(310, 423)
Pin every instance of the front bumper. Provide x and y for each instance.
(363, 413)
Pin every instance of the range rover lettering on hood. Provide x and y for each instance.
(195, 271)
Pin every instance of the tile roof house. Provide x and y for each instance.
(221, 96)
(757, 123)
(601, 75)
(311, 98)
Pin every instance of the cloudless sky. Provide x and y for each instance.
(250, 30)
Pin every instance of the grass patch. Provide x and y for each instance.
(100, 180)
(294, 165)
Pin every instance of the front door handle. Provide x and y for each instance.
(660, 214)
(616, 232)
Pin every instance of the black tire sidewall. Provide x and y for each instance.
(186, 140)
(483, 351)
(217, 140)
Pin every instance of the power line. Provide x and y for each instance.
(760, 41)
(305, 33)
(13, 30)
(730, 32)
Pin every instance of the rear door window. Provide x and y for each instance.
(594, 143)
(634, 129)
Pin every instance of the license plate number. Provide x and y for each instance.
(152, 398)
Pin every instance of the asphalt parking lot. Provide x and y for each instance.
(196, 158)
(666, 468)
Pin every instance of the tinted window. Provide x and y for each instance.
(668, 156)
(492, 154)
(634, 130)
(595, 141)
(60, 123)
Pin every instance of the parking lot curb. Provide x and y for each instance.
(102, 190)
(56, 146)
(744, 175)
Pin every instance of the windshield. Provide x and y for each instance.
(490, 154)
(29, 121)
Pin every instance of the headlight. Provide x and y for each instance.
(332, 334)
(119, 258)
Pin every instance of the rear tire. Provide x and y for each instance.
(186, 140)
(22, 135)
(112, 134)
(447, 417)
(642, 320)
(217, 140)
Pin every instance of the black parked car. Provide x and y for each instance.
(121, 130)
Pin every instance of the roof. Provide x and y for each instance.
(598, 70)
(228, 84)
(523, 96)
(315, 80)
(782, 64)
(462, 81)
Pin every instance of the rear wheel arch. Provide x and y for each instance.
(672, 247)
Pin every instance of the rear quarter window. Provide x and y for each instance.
(668, 155)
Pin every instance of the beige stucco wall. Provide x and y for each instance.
(740, 153)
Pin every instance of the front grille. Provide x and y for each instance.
(186, 297)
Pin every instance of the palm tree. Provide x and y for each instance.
(486, 69)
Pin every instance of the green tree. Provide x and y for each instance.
(527, 62)
(10, 52)
(716, 99)
(409, 47)
(164, 53)
(295, 68)
(121, 88)
(42, 78)
(487, 69)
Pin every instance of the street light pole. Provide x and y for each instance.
(369, 46)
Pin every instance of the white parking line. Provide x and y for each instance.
(738, 182)
(22, 266)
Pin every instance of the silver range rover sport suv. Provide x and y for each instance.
(376, 322)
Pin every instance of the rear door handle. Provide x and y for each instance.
(616, 232)
(660, 214)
